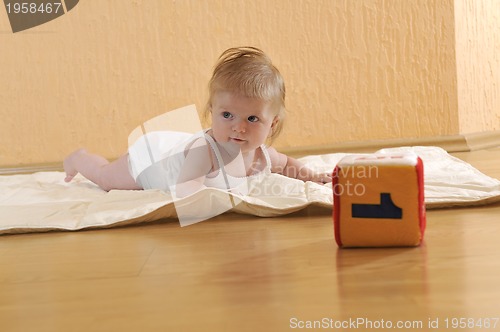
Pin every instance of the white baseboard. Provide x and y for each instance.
(451, 143)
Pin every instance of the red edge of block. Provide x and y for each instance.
(336, 205)
(421, 198)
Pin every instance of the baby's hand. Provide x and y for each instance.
(321, 178)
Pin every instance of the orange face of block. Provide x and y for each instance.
(378, 205)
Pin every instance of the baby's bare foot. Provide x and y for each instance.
(69, 164)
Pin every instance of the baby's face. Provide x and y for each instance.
(244, 121)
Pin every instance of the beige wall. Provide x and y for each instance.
(355, 70)
(478, 64)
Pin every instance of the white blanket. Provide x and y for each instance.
(43, 201)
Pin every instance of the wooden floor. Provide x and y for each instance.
(243, 273)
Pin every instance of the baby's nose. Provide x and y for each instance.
(240, 126)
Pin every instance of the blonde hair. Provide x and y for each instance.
(249, 72)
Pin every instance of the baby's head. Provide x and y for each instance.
(248, 72)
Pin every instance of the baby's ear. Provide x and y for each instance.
(275, 121)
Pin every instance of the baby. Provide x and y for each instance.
(247, 107)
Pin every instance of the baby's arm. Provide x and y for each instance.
(291, 167)
(197, 165)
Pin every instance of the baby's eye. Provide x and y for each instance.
(253, 118)
(226, 115)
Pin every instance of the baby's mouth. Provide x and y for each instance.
(237, 140)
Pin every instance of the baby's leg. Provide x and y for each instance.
(114, 175)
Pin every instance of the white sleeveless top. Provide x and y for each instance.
(157, 158)
(224, 180)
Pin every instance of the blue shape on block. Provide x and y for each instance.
(385, 210)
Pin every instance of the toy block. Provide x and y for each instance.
(379, 200)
